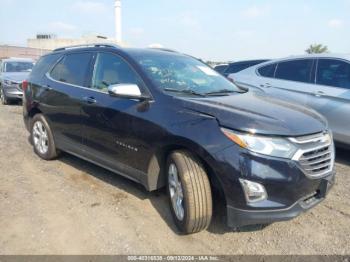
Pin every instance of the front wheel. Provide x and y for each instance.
(3, 97)
(189, 192)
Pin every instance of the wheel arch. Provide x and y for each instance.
(34, 111)
(156, 171)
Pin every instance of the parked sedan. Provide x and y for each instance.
(321, 82)
(12, 73)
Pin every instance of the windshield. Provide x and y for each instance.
(184, 75)
(12, 67)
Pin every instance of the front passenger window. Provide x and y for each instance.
(111, 69)
(333, 72)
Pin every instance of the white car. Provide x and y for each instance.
(320, 81)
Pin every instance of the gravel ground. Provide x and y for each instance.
(69, 206)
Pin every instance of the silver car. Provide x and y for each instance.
(13, 71)
(321, 82)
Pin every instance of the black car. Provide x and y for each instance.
(164, 119)
(236, 67)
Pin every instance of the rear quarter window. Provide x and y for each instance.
(43, 65)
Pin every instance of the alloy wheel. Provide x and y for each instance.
(176, 192)
(40, 138)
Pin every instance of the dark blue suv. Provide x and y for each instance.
(165, 119)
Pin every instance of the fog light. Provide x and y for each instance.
(253, 192)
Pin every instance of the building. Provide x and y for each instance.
(44, 43)
(7, 51)
(50, 41)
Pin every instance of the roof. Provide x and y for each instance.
(323, 55)
(127, 50)
(250, 61)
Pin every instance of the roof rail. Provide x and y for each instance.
(86, 45)
(164, 49)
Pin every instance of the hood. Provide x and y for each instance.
(15, 77)
(254, 112)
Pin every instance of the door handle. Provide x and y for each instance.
(47, 88)
(266, 85)
(319, 93)
(90, 100)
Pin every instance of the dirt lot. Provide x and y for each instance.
(69, 206)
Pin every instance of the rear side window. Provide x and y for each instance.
(297, 70)
(73, 69)
(268, 70)
(333, 72)
(43, 66)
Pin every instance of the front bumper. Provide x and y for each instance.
(13, 92)
(289, 191)
(238, 217)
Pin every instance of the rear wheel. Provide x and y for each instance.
(42, 138)
(189, 192)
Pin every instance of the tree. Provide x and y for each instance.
(317, 49)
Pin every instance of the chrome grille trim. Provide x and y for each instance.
(316, 154)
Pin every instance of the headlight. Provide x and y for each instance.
(271, 146)
(10, 83)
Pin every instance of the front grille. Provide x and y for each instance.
(317, 162)
(316, 156)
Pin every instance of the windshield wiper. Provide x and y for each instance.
(184, 91)
(221, 92)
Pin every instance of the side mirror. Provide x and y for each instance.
(129, 91)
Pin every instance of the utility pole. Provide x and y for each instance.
(118, 21)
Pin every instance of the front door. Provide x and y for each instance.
(332, 96)
(110, 123)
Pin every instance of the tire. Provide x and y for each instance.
(4, 99)
(44, 145)
(197, 206)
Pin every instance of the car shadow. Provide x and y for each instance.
(342, 156)
(158, 198)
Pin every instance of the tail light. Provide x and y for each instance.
(24, 85)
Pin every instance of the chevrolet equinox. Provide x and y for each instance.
(165, 119)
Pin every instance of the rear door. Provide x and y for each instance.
(332, 95)
(293, 81)
(62, 94)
